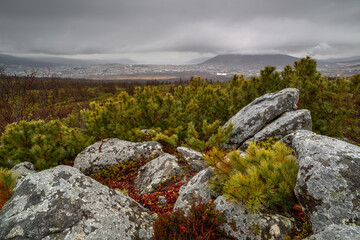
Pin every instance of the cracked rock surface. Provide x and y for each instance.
(328, 182)
(157, 171)
(63, 203)
(252, 118)
(103, 154)
(287, 123)
(195, 190)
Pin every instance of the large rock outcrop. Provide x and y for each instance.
(287, 123)
(328, 182)
(255, 116)
(63, 203)
(243, 225)
(103, 154)
(157, 171)
(197, 189)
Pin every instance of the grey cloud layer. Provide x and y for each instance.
(200, 26)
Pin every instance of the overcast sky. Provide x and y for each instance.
(174, 31)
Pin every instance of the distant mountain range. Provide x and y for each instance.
(7, 60)
(269, 59)
(246, 60)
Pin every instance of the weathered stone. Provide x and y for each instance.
(21, 170)
(157, 171)
(162, 200)
(194, 158)
(63, 203)
(252, 118)
(328, 182)
(337, 232)
(243, 225)
(287, 123)
(103, 154)
(195, 190)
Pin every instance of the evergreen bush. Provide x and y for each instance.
(261, 179)
(45, 144)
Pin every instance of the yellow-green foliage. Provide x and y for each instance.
(45, 144)
(150, 109)
(7, 185)
(262, 178)
(209, 136)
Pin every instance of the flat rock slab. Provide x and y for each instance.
(287, 123)
(328, 182)
(63, 203)
(243, 225)
(196, 190)
(157, 171)
(194, 158)
(103, 154)
(252, 118)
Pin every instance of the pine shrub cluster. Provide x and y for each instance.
(45, 144)
(260, 179)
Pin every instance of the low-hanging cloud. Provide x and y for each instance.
(318, 28)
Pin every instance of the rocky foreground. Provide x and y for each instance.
(65, 203)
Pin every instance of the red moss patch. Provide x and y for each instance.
(122, 176)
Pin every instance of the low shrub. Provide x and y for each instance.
(7, 185)
(201, 222)
(261, 179)
(45, 144)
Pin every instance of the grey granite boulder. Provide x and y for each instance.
(243, 225)
(195, 190)
(63, 203)
(287, 123)
(23, 169)
(194, 158)
(103, 154)
(252, 118)
(337, 232)
(328, 182)
(157, 171)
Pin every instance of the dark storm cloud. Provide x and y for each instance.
(69, 27)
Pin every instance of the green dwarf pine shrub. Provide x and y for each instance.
(202, 222)
(7, 185)
(262, 179)
(45, 144)
(211, 135)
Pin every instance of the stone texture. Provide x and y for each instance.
(245, 226)
(21, 170)
(194, 158)
(328, 182)
(252, 118)
(337, 232)
(287, 123)
(63, 203)
(103, 154)
(155, 172)
(195, 190)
